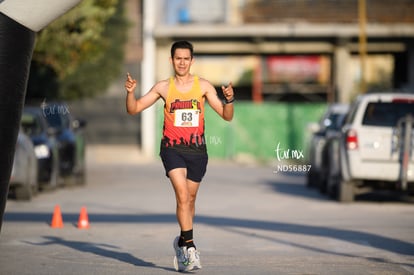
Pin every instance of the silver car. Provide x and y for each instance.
(23, 180)
(375, 148)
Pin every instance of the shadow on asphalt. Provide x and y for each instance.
(351, 236)
(313, 248)
(292, 184)
(100, 249)
(297, 190)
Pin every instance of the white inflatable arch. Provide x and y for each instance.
(35, 14)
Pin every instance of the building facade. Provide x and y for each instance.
(296, 50)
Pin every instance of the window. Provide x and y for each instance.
(386, 114)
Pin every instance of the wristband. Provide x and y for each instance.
(229, 101)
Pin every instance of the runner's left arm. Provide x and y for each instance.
(224, 110)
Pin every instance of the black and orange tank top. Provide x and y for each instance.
(184, 119)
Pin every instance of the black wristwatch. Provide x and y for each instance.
(228, 101)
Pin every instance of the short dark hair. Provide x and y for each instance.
(182, 44)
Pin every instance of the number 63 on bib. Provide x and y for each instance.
(186, 118)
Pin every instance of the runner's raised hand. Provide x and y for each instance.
(130, 84)
(228, 91)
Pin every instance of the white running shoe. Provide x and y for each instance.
(181, 262)
(193, 259)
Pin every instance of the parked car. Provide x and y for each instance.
(368, 155)
(326, 167)
(45, 144)
(327, 126)
(23, 180)
(71, 139)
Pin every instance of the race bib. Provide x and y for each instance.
(186, 117)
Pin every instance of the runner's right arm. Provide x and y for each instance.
(135, 106)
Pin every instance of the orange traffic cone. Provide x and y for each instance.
(57, 221)
(83, 222)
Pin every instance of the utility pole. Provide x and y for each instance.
(362, 18)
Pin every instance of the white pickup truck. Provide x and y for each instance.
(375, 149)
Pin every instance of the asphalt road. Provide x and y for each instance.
(249, 220)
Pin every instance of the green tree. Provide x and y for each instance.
(79, 54)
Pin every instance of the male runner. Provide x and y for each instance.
(183, 145)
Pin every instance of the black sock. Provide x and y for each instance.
(190, 244)
(186, 239)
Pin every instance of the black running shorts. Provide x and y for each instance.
(196, 164)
